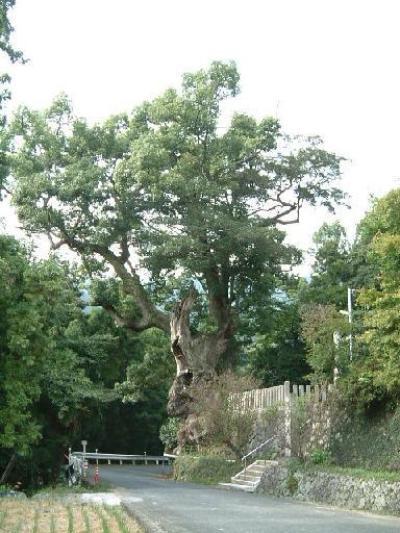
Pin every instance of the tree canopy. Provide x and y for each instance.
(165, 193)
(39, 306)
(6, 50)
(377, 373)
(60, 362)
(6, 30)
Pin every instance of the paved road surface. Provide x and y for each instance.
(172, 507)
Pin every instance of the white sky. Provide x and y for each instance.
(326, 67)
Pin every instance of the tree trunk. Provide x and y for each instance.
(8, 469)
(196, 357)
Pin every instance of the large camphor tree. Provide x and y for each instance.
(181, 210)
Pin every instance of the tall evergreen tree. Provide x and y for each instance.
(165, 191)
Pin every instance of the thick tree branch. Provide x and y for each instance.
(132, 285)
(151, 316)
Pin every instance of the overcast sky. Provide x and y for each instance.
(326, 67)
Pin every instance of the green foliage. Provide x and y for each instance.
(277, 351)
(166, 200)
(332, 269)
(363, 473)
(292, 484)
(165, 186)
(300, 426)
(13, 55)
(205, 469)
(319, 324)
(319, 456)
(6, 30)
(138, 368)
(367, 441)
(375, 376)
(58, 369)
(38, 301)
(152, 372)
(169, 433)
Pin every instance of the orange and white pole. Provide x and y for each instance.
(97, 475)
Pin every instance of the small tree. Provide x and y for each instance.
(319, 324)
(376, 373)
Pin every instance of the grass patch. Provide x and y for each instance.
(363, 473)
(205, 469)
(64, 490)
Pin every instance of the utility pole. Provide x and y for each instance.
(349, 314)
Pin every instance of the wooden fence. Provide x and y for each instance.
(262, 398)
(285, 397)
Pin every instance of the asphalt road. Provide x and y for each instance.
(166, 506)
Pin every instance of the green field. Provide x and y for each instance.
(52, 516)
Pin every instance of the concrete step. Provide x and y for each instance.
(235, 486)
(265, 462)
(247, 476)
(258, 469)
(246, 482)
(252, 472)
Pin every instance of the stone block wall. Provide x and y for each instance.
(332, 489)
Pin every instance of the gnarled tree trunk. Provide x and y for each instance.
(196, 356)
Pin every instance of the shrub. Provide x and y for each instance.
(292, 484)
(359, 440)
(205, 469)
(318, 456)
(169, 433)
(224, 421)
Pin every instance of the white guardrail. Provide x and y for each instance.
(121, 458)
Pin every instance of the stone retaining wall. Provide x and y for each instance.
(332, 489)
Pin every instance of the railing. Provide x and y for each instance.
(78, 462)
(109, 457)
(254, 451)
(170, 455)
(258, 448)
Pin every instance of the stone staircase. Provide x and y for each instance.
(249, 478)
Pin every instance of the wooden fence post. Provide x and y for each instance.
(288, 416)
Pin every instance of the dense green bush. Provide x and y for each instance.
(357, 440)
(319, 456)
(169, 433)
(205, 469)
